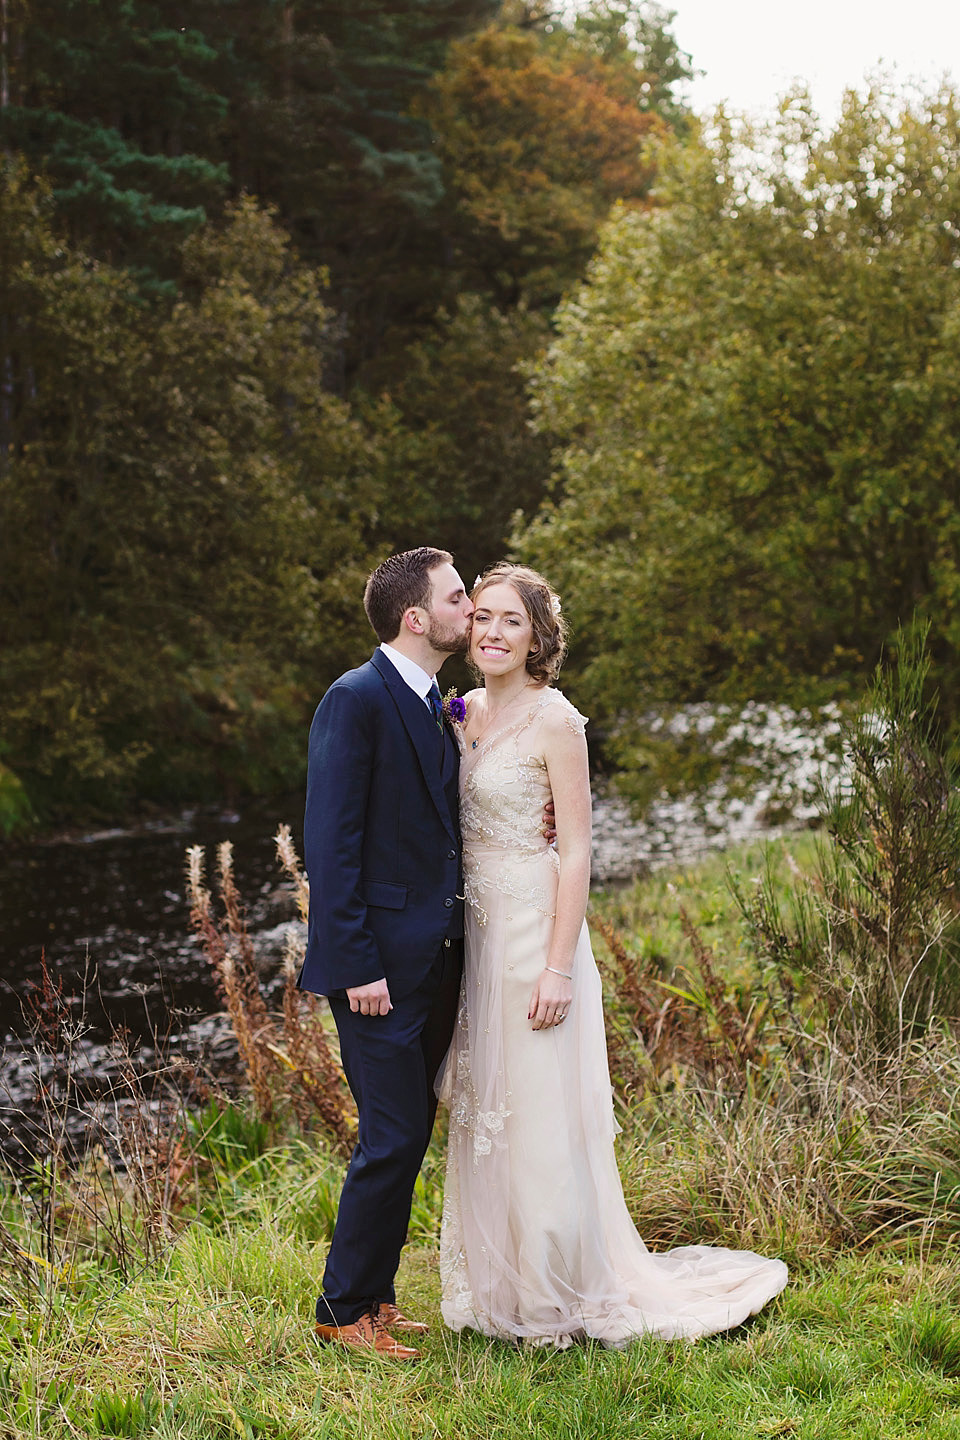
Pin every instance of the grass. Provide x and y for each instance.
(216, 1342)
(647, 913)
(210, 1336)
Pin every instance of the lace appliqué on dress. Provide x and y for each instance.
(483, 1126)
(501, 807)
(513, 880)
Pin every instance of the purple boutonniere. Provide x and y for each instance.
(454, 708)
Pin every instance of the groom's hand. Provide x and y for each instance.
(370, 999)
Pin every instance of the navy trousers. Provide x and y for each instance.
(391, 1062)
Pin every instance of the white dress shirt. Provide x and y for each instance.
(419, 681)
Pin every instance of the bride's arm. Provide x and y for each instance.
(565, 753)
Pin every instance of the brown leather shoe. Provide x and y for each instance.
(367, 1335)
(394, 1319)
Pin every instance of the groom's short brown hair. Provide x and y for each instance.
(398, 584)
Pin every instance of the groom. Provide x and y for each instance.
(382, 847)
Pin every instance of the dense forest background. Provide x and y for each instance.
(285, 286)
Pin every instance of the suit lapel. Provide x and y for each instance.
(421, 727)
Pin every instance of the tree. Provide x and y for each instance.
(464, 460)
(114, 101)
(540, 127)
(635, 37)
(184, 511)
(757, 391)
(537, 140)
(320, 125)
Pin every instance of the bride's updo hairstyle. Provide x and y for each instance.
(542, 604)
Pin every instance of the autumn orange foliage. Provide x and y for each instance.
(537, 144)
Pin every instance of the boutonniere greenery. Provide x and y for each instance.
(454, 707)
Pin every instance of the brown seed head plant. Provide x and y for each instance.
(289, 1059)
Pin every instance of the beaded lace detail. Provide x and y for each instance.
(504, 787)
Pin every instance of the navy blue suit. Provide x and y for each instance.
(382, 849)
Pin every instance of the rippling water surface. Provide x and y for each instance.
(108, 910)
(112, 906)
(109, 913)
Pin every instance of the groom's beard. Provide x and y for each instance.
(445, 640)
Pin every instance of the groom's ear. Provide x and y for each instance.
(412, 620)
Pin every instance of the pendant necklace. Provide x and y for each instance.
(486, 727)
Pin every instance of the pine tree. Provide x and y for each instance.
(112, 100)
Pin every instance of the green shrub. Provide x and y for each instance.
(875, 931)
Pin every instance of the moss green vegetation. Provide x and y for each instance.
(196, 1324)
(647, 914)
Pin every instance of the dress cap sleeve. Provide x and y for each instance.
(571, 716)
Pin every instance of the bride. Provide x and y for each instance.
(537, 1243)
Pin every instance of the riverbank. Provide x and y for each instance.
(173, 1298)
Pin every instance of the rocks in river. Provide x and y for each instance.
(774, 760)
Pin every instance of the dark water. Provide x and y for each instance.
(109, 912)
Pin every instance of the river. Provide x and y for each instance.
(108, 911)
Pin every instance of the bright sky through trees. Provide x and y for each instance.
(753, 50)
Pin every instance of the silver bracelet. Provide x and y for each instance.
(558, 972)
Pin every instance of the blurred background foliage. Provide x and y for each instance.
(285, 286)
(754, 404)
(267, 271)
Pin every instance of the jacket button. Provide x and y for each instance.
(451, 854)
(448, 903)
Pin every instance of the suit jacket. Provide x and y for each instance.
(381, 835)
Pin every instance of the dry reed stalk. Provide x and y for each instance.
(287, 855)
(201, 911)
(151, 1139)
(322, 1087)
(249, 1041)
(235, 971)
(288, 1062)
(244, 958)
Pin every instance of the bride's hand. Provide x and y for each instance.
(550, 1001)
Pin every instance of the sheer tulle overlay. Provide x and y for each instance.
(537, 1242)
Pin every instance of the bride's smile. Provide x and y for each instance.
(502, 634)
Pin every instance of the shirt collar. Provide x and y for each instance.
(419, 681)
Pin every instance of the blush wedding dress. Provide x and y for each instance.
(536, 1240)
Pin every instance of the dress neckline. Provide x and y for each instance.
(520, 721)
